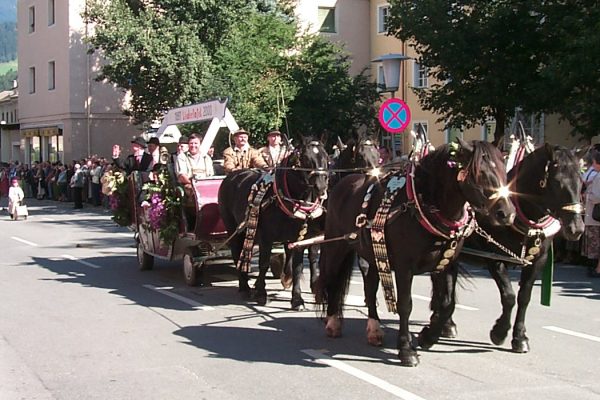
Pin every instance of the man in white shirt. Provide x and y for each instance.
(193, 165)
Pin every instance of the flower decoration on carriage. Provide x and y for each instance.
(163, 205)
(115, 186)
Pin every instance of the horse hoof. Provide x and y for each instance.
(286, 280)
(424, 340)
(408, 360)
(298, 305)
(497, 339)
(449, 331)
(520, 346)
(333, 329)
(374, 333)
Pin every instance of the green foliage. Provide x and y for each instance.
(573, 29)
(329, 101)
(487, 57)
(6, 80)
(173, 52)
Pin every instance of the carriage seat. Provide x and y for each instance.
(203, 217)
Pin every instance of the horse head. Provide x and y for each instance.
(481, 177)
(550, 180)
(311, 161)
(365, 153)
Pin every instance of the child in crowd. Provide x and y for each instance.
(15, 197)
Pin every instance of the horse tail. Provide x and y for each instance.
(334, 279)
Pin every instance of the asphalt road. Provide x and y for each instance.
(79, 321)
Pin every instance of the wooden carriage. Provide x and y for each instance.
(200, 235)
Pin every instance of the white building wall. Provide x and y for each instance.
(87, 128)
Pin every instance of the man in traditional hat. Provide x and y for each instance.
(241, 155)
(138, 160)
(274, 152)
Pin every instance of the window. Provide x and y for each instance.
(382, 15)
(51, 75)
(422, 124)
(380, 79)
(326, 20)
(31, 79)
(51, 14)
(421, 76)
(31, 19)
(452, 134)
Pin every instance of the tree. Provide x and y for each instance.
(487, 57)
(329, 101)
(573, 28)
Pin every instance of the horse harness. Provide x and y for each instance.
(295, 209)
(450, 232)
(534, 232)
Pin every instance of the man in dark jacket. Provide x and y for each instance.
(139, 160)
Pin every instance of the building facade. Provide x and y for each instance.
(360, 25)
(64, 114)
(11, 142)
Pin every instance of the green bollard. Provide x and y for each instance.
(547, 276)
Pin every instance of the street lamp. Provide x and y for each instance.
(391, 63)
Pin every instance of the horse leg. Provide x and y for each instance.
(313, 262)
(236, 244)
(363, 266)
(260, 286)
(335, 265)
(287, 273)
(507, 298)
(406, 352)
(371, 284)
(443, 305)
(296, 257)
(520, 341)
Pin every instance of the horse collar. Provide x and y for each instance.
(297, 209)
(442, 226)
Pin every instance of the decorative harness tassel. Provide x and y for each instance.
(259, 189)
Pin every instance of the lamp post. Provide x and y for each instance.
(392, 63)
(392, 67)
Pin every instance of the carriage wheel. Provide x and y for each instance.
(190, 268)
(276, 262)
(145, 260)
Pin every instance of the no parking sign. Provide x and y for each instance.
(394, 115)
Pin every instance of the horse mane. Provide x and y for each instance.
(437, 167)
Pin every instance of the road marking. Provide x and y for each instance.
(126, 234)
(49, 219)
(373, 380)
(72, 258)
(572, 333)
(460, 306)
(23, 241)
(183, 299)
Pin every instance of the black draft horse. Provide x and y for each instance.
(545, 188)
(298, 187)
(443, 182)
(358, 155)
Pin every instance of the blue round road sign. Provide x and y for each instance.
(394, 115)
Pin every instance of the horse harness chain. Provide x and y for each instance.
(385, 214)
